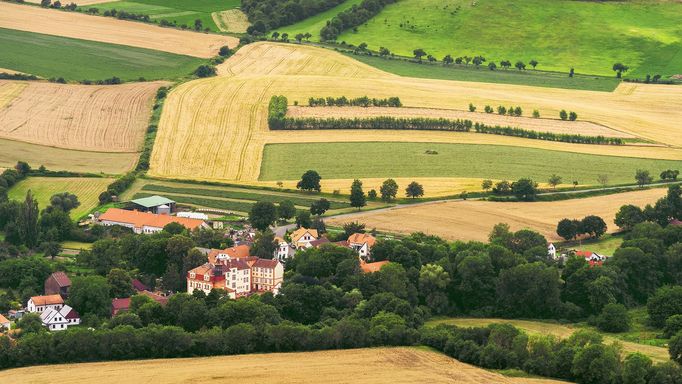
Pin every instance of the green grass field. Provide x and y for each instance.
(314, 24)
(484, 75)
(383, 159)
(178, 11)
(73, 59)
(87, 190)
(589, 36)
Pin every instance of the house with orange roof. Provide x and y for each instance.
(39, 304)
(5, 323)
(302, 237)
(237, 252)
(362, 243)
(238, 276)
(145, 222)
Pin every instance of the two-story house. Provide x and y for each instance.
(284, 250)
(267, 275)
(302, 237)
(60, 319)
(39, 304)
(362, 243)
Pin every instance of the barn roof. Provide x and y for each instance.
(152, 201)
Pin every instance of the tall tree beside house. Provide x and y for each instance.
(388, 190)
(263, 214)
(27, 222)
(414, 190)
(357, 195)
(264, 245)
(310, 181)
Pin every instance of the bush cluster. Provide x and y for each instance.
(352, 17)
(266, 15)
(277, 111)
(116, 188)
(550, 136)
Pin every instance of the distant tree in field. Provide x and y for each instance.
(286, 210)
(492, 66)
(571, 72)
(198, 25)
(594, 226)
(536, 113)
(388, 190)
(319, 207)
(670, 174)
(534, 63)
(285, 37)
(467, 59)
(502, 187)
(65, 201)
(307, 36)
(656, 78)
(603, 179)
(45, 3)
(520, 65)
(567, 229)
(459, 60)
(572, 116)
(478, 60)
(472, 108)
(431, 58)
(384, 52)
(310, 181)
(298, 37)
(563, 114)
(225, 51)
(554, 180)
(372, 194)
(518, 111)
(205, 71)
(414, 190)
(525, 189)
(357, 195)
(489, 109)
(486, 184)
(643, 177)
(447, 60)
(501, 110)
(353, 227)
(506, 64)
(419, 53)
(362, 47)
(575, 184)
(275, 35)
(620, 68)
(262, 215)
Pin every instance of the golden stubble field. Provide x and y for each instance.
(105, 118)
(111, 30)
(216, 128)
(354, 366)
(473, 220)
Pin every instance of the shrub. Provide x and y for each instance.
(613, 318)
(205, 71)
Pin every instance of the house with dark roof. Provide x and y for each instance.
(139, 286)
(154, 204)
(58, 283)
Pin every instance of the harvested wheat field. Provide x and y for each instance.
(110, 30)
(578, 127)
(356, 366)
(473, 220)
(232, 20)
(107, 118)
(216, 128)
(79, 2)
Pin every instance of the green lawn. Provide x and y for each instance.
(384, 159)
(314, 24)
(589, 36)
(178, 11)
(74, 59)
(606, 245)
(484, 75)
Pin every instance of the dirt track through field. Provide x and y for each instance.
(107, 118)
(216, 128)
(579, 127)
(354, 366)
(473, 220)
(111, 30)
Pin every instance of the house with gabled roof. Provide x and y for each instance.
(361, 243)
(145, 222)
(39, 304)
(58, 283)
(5, 323)
(237, 252)
(60, 319)
(372, 267)
(302, 237)
(123, 304)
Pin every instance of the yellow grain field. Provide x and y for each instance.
(232, 20)
(354, 366)
(107, 118)
(79, 2)
(473, 220)
(111, 30)
(216, 128)
(578, 127)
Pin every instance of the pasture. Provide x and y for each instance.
(588, 36)
(657, 354)
(106, 118)
(87, 190)
(453, 220)
(358, 366)
(110, 30)
(216, 128)
(75, 59)
(181, 12)
(314, 24)
(358, 160)
(59, 159)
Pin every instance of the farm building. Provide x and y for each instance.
(145, 222)
(154, 204)
(39, 304)
(193, 215)
(58, 284)
(60, 319)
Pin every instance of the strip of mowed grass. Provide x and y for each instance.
(389, 159)
(226, 205)
(297, 200)
(178, 11)
(484, 75)
(587, 35)
(74, 59)
(43, 188)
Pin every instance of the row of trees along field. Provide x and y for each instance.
(265, 15)
(352, 17)
(363, 101)
(326, 302)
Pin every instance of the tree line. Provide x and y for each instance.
(266, 15)
(352, 17)
(363, 101)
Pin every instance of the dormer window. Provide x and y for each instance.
(206, 277)
(192, 275)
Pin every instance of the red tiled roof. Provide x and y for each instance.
(238, 252)
(372, 267)
(141, 219)
(265, 263)
(320, 241)
(72, 314)
(139, 286)
(118, 305)
(362, 238)
(61, 279)
(583, 253)
(3, 319)
(47, 300)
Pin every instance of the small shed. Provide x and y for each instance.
(154, 204)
